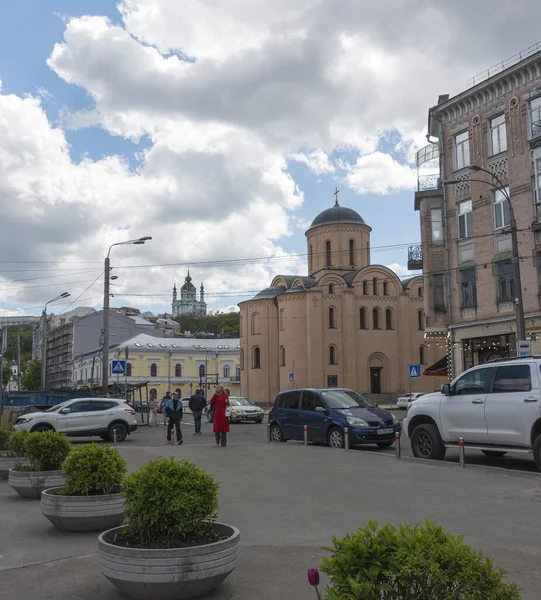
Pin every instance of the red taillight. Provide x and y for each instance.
(129, 410)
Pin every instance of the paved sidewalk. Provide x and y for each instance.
(287, 501)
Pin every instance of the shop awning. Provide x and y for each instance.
(438, 369)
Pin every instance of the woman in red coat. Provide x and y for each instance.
(220, 401)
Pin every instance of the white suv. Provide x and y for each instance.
(83, 417)
(494, 407)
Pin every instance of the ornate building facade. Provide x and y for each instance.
(347, 324)
(188, 304)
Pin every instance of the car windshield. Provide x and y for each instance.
(342, 399)
(57, 407)
(240, 402)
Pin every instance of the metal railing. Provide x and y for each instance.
(536, 129)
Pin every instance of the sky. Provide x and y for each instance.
(220, 129)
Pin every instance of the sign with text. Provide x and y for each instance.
(524, 348)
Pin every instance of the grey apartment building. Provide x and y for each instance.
(466, 252)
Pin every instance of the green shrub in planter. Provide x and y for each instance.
(46, 450)
(5, 434)
(93, 469)
(411, 562)
(169, 499)
(17, 443)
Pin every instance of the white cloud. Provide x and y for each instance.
(379, 173)
(317, 161)
(402, 270)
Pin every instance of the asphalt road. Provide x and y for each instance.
(287, 500)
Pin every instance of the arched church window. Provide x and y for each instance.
(281, 319)
(388, 319)
(328, 261)
(255, 323)
(154, 370)
(332, 319)
(256, 360)
(310, 258)
(352, 253)
(375, 286)
(332, 355)
(178, 370)
(282, 356)
(363, 319)
(331, 289)
(375, 319)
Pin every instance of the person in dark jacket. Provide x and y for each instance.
(173, 411)
(197, 403)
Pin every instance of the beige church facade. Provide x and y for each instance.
(347, 324)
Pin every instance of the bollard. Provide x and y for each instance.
(461, 456)
(268, 433)
(172, 437)
(306, 435)
(114, 437)
(346, 438)
(397, 443)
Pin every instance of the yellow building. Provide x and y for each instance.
(167, 364)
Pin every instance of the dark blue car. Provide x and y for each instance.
(326, 413)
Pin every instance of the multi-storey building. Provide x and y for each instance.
(165, 364)
(467, 255)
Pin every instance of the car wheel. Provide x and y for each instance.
(385, 444)
(494, 453)
(259, 421)
(335, 438)
(121, 432)
(104, 437)
(427, 443)
(537, 452)
(276, 434)
(42, 427)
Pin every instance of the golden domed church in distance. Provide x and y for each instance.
(348, 323)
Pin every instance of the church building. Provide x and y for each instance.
(348, 323)
(189, 305)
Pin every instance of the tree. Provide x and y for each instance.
(31, 379)
(7, 372)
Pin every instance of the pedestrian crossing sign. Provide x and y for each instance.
(415, 371)
(119, 367)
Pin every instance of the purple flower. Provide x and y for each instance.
(313, 577)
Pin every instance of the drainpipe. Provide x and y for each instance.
(275, 300)
(169, 370)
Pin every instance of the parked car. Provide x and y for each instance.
(327, 413)
(185, 403)
(495, 407)
(405, 400)
(83, 418)
(244, 410)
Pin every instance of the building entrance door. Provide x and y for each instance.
(375, 380)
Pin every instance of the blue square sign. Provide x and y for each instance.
(415, 371)
(119, 367)
(291, 377)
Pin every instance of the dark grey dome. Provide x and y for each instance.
(270, 292)
(337, 214)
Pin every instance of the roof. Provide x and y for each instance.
(145, 341)
(270, 292)
(337, 215)
(140, 321)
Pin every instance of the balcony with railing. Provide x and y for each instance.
(536, 130)
(415, 258)
(428, 168)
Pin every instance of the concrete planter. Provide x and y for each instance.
(82, 513)
(30, 484)
(171, 574)
(9, 462)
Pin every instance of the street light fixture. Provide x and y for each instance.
(106, 296)
(44, 339)
(519, 306)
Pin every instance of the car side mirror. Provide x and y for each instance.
(321, 409)
(65, 411)
(446, 390)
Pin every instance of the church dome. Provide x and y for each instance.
(337, 215)
(188, 285)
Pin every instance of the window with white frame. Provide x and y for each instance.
(535, 117)
(498, 135)
(465, 219)
(462, 150)
(501, 209)
(436, 225)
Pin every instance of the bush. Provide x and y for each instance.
(47, 450)
(168, 499)
(17, 443)
(421, 562)
(5, 434)
(93, 469)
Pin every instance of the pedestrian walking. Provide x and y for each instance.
(153, 407)
(197, 403)
(173, 411)
(163, 404)
(220, 402)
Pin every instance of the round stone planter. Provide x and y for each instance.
(82, 513)
(9, 462)
(171, 574)
(30, 484)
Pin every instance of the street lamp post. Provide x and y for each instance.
(106, 296)
(44, 340)
(519, 306)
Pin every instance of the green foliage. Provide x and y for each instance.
(47, 450)
(6, 373)
(93, 469)
(5, 434)
(31, 378)
(169, 499)
(17, 443)
(25, 332)
(216, 323)
(411, 563)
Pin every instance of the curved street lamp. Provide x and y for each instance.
(44, 339)
(519, 306)
(106, 296)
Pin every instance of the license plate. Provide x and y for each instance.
(384, 431)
